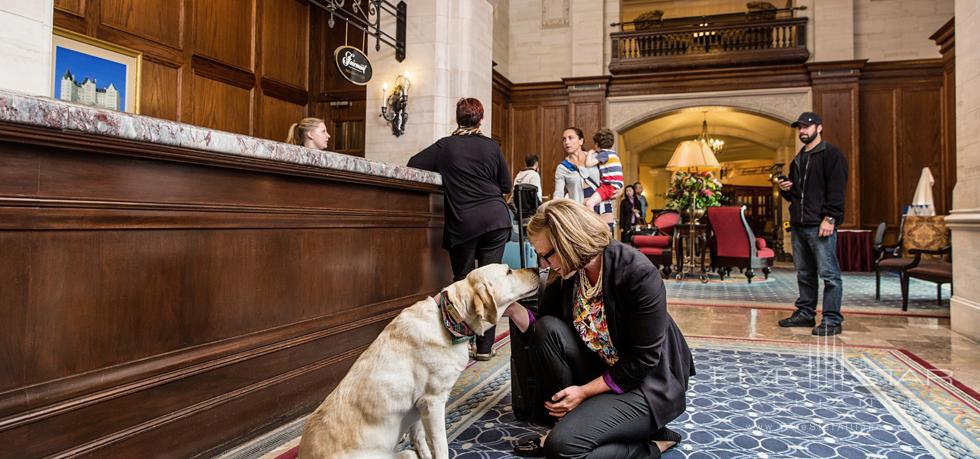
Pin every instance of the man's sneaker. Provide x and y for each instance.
(797, 320)
(827, 330)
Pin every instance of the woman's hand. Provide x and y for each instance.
(592, 201)
(572, 396)
(566, 400)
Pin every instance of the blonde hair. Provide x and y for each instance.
(576, 233)
(297, 132)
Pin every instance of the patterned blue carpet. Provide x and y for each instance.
(750, 399)
(781, 288)
(776, 400)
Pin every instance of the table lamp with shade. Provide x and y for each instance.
(692, 156)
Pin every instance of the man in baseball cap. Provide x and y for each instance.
(807, 119)
(815, 191)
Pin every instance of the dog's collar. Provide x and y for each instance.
(458, 330)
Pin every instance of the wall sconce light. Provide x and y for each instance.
(394, 106)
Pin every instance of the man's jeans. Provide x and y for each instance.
(817, 256)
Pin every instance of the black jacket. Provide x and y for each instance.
(652, 351)
(626, 213)
(817, 191)
(475, 177)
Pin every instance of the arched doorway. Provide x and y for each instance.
(780, 106)
(751, 144)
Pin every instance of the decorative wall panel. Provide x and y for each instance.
(73, 7)
(223, 30)
(901, 114)
(219, 105)
(878, 158)
(163, 26)
(285, 38)
(275, 117)
(160, 94)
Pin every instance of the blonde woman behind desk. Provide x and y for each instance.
(310, 133)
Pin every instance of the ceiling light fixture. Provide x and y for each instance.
(716, 145)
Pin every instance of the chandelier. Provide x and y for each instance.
(716, 145)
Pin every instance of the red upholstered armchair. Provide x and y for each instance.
(736, 244)
(666, 221)
(657, 247)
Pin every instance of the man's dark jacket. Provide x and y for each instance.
(653, 353)
(818, 186)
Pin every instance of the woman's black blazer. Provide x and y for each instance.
(653, 353)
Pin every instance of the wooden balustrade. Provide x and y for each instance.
(709, 44)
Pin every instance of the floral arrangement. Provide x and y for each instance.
(702, 186)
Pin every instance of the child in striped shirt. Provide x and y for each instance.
(610, 175)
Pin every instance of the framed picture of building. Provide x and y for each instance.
(93, 72)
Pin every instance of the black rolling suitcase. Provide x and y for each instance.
(525, 393)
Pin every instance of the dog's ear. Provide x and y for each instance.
(458, 294)
(462, 296)
(484, 308)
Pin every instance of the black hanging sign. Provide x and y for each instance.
(353, 64)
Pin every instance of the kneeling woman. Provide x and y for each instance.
(610, 360)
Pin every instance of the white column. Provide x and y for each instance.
(25, 45)
(588, 37)
(501, 35)
(830, 32)
(612, 15)
(448, 56)
(964, 220)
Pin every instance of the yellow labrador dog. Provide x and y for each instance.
(400, 384)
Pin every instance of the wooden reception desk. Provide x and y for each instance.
(167, 289)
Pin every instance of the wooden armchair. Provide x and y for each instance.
(939, 271)
(922, 239)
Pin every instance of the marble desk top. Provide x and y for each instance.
(27, 109)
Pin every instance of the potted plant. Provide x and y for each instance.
(690, 193)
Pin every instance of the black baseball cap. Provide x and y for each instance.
(807, 119)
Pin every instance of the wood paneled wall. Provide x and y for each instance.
(529, 118)
(902, 131)
(340, 103)
(161, 301)
(236, 65)
(835, 98)
(878, 114)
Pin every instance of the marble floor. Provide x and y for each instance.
(929, 338)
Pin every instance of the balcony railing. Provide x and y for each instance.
(728, 40)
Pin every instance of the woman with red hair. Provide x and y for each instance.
(475, 176)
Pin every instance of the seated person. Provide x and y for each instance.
(610, 361)
(530, 175)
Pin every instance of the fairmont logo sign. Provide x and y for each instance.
(353, 64)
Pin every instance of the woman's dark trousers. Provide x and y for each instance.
(607, 425)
